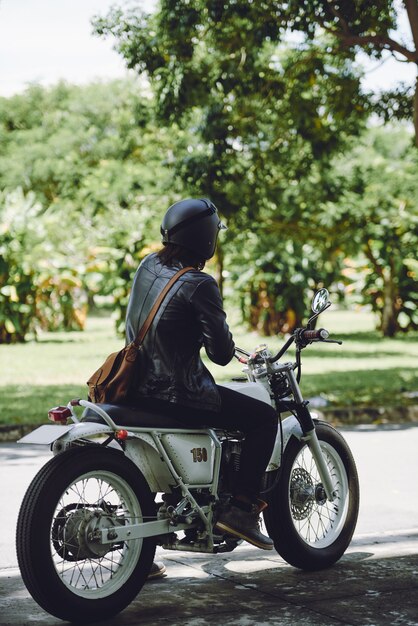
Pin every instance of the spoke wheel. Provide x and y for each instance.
(64, 565)
(309, 531)
(88, 505)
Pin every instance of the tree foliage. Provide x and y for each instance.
(373, 27)
(266, 116)
(41, 275)
(19, 233)
(271, 115)
(88, 167)
(377, 214)
(227, 105)
(82, 148)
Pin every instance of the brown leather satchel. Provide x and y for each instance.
(110, 384)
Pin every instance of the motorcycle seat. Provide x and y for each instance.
(124, 415)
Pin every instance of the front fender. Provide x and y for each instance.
(291, 428)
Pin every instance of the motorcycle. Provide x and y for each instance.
(122, 481)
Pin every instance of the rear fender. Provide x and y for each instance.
(139, 448)
(142, 451)
(59, 437)
(82, 430)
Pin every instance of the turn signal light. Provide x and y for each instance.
(59, 414)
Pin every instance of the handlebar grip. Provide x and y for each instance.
(320, 333)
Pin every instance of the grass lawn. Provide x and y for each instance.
(365, 370)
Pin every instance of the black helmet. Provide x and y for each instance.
(193, 224)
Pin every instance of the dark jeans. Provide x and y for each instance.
(256, 419)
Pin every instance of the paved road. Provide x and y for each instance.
(375, 583)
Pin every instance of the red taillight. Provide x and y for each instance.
(122, 434)
(59, 414)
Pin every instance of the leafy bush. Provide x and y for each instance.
(20, 232)
(38, 288)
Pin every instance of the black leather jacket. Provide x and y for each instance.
(191, 316)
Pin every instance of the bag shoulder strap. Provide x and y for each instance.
(146, 325)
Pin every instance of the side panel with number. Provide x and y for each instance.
(192, 456)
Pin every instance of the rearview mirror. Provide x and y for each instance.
(320, 301)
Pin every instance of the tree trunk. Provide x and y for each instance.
(390, 311)
(416, 111)
(411, 7)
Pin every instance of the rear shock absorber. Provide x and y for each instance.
(236, 457)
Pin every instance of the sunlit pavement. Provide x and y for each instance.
(376, 582)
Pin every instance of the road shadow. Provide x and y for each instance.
(249, 588)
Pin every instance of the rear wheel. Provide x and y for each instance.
(308, 531)
(67, 570)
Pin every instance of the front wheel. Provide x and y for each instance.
(69, 502)
(308, 531)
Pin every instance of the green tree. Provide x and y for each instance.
(373, 27)
(101, 169)
(83, 148)
(378, 215)
(265, 116)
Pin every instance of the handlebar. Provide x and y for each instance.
(311, 335)
(302, 336)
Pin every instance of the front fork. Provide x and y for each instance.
(312, 441)
(309, 435)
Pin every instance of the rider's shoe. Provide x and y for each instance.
(157, 570)
(241, 519)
